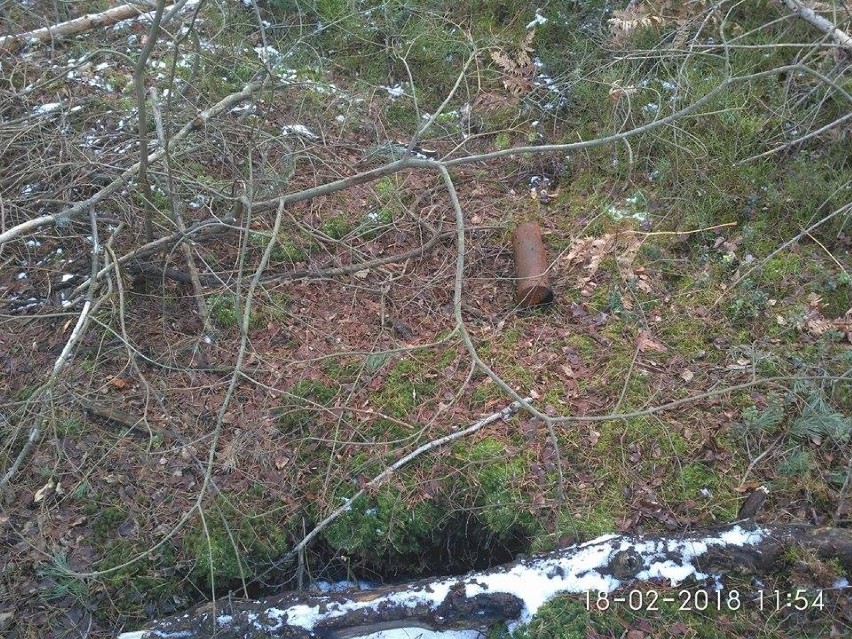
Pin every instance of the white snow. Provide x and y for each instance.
(298, 129)
(46, 108)
(395, 91)
(579, 569)
(538, 19)
(67, 276)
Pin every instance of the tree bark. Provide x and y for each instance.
(507, 593)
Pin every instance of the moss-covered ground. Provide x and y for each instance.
(705, 254)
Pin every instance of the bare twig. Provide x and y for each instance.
(121, 181)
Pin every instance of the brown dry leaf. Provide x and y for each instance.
(590, 250)
(645, 343)
(687, 375)
(44, 491)
(525, 50)
(616, 92)
(118, 382)
(628, 249)
(518, 69)
(623, 23)
(503, 61)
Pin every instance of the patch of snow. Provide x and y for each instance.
(298, 129)
(841, 582)
(21, 276)
(33, 243)
(44, 109)
(244, 109)
(67, 276)
(395, 91)
(538, 19)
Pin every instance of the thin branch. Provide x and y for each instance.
(504, 414)
(199, 122)
(811, 17)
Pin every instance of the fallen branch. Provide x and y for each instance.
(84, 23)
(72, 212)
(813, 18)
(516, 591)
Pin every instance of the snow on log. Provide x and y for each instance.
(84, 23)
(462, 607)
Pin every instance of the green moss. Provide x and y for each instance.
(303, 403)
(337, 227)
(385, 524)
(501, 478)
(688, 336)
(407, 385)
(592, 520)
(107, 521)
(560, 618)
(225, 313)
(236, 541)
(290, 249)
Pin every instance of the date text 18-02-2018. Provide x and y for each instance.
(688, 600)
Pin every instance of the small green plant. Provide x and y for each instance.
(762, 421)
(69, 427)
(750, 302)
(796, 463)
(63, 582)
(225, 313)
(818, 421)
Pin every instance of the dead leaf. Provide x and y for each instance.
(118, 382)
(44, 491)
(645, 343)
(687, 375)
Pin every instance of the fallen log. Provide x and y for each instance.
(12, 43)
(512, 593)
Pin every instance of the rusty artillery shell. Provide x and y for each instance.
(533, 287)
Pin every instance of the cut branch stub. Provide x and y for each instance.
(533, 287)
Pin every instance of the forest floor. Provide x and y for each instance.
(685, 269)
